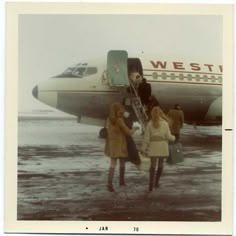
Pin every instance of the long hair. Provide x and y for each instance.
(156, 115)
(115, 110)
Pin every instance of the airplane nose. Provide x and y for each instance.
(35, 92)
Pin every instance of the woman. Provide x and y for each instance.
(156, 137)
(116, 144)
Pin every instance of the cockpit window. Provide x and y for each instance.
(69, 70)
(91, 70)
(78, 71)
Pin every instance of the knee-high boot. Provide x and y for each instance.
(151, 177)
(110, 179)
(158, 175)
(122, 176)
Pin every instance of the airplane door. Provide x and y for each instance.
(117, 68)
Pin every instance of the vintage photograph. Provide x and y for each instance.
(120, 118)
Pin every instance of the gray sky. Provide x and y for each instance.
(50, 43)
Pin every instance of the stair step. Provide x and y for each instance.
(138, 108)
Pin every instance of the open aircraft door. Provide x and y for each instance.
(117, 68)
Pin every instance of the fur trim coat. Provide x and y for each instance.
(155, 140)
(116, 144)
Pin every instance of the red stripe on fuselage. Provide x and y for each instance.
(116, 92)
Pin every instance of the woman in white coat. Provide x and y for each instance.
(156, 137)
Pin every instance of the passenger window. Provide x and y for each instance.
(189, 77)
(164, 76)
(213, 79)
(181, 76)
(154, 75)
(197, 77)
(205, 78)
(172, 76)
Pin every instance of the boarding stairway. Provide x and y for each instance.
(117, 71)
(137, 106)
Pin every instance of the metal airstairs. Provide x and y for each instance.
(138, 108)
(118, 77)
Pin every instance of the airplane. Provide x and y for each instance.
(87, 89)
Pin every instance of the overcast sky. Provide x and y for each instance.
(50, 43)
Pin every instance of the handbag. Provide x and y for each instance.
(175, 153)
(103, 133)
(145, 162)
(133, 155)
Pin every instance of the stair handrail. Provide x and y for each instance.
(133, 89)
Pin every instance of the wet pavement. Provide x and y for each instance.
(62, 175)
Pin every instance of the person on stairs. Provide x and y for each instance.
(155, 141)
(116, 143)
(152, 102)
(144, 92)
(135, 79)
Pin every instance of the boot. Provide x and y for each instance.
(158, 175)
(151, 178)
(110, 179)
(122, 176)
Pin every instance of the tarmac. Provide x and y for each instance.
(63, 181)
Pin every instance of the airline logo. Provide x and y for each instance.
(186, 66)
(116, 68)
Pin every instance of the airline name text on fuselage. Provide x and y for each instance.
(182, 66)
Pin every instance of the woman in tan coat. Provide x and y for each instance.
(116, 144)
(156, 137)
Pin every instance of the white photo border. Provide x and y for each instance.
(12, 225)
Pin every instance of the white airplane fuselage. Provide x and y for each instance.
(197, 87)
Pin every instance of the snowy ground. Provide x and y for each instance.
(62, 175)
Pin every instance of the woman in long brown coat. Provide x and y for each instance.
(116, 144)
